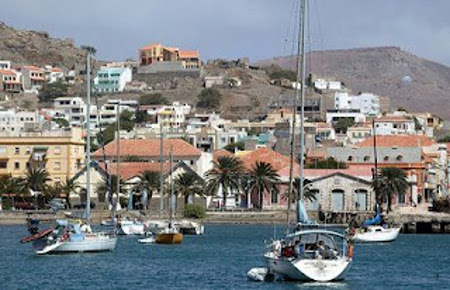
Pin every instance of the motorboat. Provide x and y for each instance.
(187, 227)
(71, 236)
(131, 227)
(155, 226)
(149, 239)
(311, 255)
(375, 234)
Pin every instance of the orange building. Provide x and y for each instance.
(158, 53)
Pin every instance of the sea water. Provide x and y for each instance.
(218, 260)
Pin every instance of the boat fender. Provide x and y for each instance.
(350, 251)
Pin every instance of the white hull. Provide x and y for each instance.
(92, 243)
(384, 235)
(319, 270)
(131, 228)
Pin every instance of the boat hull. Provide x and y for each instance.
(319, 270)
(387, 235)
(131, 229)
(169, 238)
(89, 244)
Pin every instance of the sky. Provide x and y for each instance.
(258, 29)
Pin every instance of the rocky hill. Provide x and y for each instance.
(411, 82)
(24, 47)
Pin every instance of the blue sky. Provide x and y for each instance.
(236, 28)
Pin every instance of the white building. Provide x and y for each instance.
(53, 74)
(335, 115)
(323, 84)
(5, 64)
(14, 122)
(392, 125)
(169, 116)
(367, 103)
(112, 79)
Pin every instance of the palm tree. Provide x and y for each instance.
(390, 182)
(262, 177)
(108, 185)
(225, 174)
(307, 193)
(67, 188)
(148, 182)
(187, 184)
(35, 180)
(11, 187)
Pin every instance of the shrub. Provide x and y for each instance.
(194, 211)
(209, 99)
(52, 91)
(153, 99)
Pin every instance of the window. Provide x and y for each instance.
(57, 166)
(28, 151)
(399, 158)
(3, 164)
(57, 150)
(366, 158)
(16, 165)
(350, 158)
(386, 158)
(16, 150)
(274, 197)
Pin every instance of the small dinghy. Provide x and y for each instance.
(260, 274)
(149, 239)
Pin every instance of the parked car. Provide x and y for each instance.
(82, 205)
(25, 205)
(58, 204)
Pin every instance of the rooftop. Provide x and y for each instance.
(129, 170)
(399, 141)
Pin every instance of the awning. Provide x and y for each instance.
(40, 148)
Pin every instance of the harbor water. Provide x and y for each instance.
(218, 260)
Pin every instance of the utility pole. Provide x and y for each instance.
(161, 174)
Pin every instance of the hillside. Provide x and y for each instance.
(381, 70)
(25, 47)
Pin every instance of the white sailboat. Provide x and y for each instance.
(307, 254)
(69, 236)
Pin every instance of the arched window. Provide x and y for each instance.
(386, 158)
(399, 158)
(361, 199)
(337, 200)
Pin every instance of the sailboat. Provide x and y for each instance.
(69, 236)
(170, 235)
(375, 230)
(308, 253)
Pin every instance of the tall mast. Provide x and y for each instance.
(161, 175)
(375, 158)
(171, 203)
(88, 138)
(118, 157)
(294, 124)
(302, 112)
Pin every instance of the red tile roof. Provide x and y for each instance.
(129, 170)
(188, 54)
(7, 72)
(149, 148)
(399, 141)
(150, 46)
(277, 160)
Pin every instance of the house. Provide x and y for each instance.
(33, 78)
(10, 81)
(366, 103)
(112, 79)
(53, 74)
(392, 125)
(149, 150)
(153, 53)
(60, 153)
(15, 122)
(129, 173)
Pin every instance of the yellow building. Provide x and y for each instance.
(60, 153)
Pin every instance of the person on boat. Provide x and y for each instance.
(298, 248)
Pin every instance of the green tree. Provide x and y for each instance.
(209, 99)
(62, 123)
(231, 147)
(390, 182)
(142, 116)
(262, 177)
(52, 91)
(68, 187)
(307, 193)
(10, 187)
(148, 182)
(445, 139)
(104, 187)
(127, 122)
(188, 184)
(194, 211)
(329, 163)
(342, 125)
(276, 72)
(225, 175)
(36, 180)
(153, 99)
